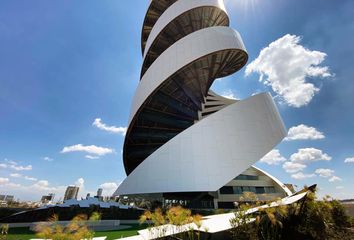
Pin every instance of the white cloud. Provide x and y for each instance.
(21, 168)
(109, 188)
(30, 178)
(334, 179)
(300, 176)
(41, 184)
(303, 132)
(15, 175)
(91, 157)
(32, 192)
(80, 183)
(292, 167)
(229, 94)
(4, 180)
(306, 155)
(15, 166)
(112, 129)
(323, 172)
(339, 187)
(48, 159)
(43, 187)
(11, 162)
(349, 160)
(286, 65)
(273, 158)
(12, 185)
(92, 149)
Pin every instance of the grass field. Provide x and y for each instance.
(26, 234)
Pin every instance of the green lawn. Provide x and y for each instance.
(26, 234)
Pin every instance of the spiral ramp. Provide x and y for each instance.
(182, 137)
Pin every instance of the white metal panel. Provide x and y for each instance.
(211, 152)
(176, 10)
(180, 54)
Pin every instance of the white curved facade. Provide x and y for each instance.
(264, 186)
(174, 11)
(185, 51)
(182, 137)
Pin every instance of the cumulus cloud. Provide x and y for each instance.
(307, 155)
(4, 180)
(30, 178)
(229, 94)
(300, 176)
(48, 159)
(17, 175)
(292, 167)
(285, 64)
(323, 172)
(112, 129)
(303, 132)
(327, 173)
(91, 157)
(80, 183)
(15, 166)
(349, 160)
(33, 191)
(21, 168)
(41, 184)
(109, 188)
(92, 149)
(334, 179)
(273, 158)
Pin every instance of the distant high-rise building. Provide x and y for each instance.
(9, 198)
(99, 192)
(71, 192)
(47, 198)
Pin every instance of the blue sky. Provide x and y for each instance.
(65, 64)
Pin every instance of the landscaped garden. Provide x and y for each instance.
(26, 234)
(307, 218)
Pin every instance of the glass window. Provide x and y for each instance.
(227, 205)
(270, 189)
(237, 190)
(226, 190)
(260, 190)
(248, 189)
(246, 177)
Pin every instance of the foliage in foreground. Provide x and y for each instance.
(74, 230)
(178, 216)
(4, 229)
(307, 219)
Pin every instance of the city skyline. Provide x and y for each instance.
(68, 73)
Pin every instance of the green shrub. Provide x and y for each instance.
(339, 215)
(241, 228)
(75, 229)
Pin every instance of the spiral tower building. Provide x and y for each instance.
(182, 137)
